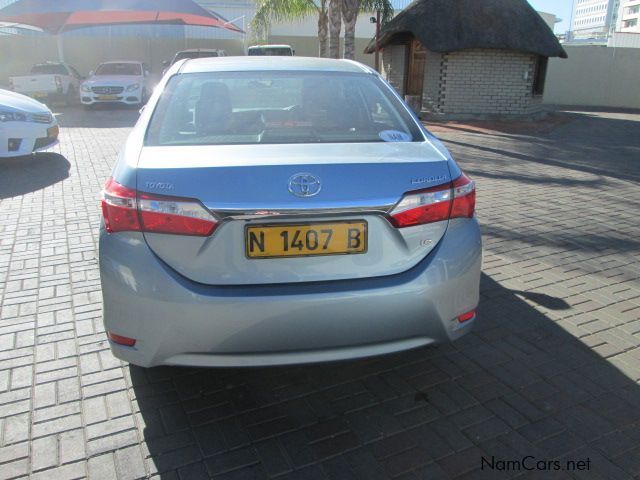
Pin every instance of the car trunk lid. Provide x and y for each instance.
(248, 186)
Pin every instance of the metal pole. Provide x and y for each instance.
(377, 37)
(60, 47)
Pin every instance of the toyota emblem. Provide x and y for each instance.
(304, 185)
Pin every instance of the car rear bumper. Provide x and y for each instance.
(43, 96)
(179, 322)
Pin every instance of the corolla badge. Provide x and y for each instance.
(304, 185)
(433, 178)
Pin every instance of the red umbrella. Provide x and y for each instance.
(60, 16)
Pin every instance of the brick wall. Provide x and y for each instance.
(393, 68)
(432, 87)
(488, 82)
(470, 82)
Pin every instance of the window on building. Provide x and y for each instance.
(630, 23)
(540, 75)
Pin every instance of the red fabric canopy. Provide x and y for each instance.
(62, 15)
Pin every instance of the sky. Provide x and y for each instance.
(561, 9)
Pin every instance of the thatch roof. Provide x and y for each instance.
(451, 25)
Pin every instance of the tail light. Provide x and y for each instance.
(452, 200)
(125, 209)
(464, 197)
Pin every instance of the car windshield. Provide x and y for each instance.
(273, 51)
(278, 107)
(119, 69)
(183, 55)
(49, 70)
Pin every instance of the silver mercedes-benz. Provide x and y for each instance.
(268, 211)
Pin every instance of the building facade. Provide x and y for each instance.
(629, 16)
(593, 19)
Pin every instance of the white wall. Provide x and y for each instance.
(594, 75)
(308, 27)
(625, 40)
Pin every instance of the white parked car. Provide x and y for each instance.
(116, 82)
(193, 53)
(271, 51)
(26, 125)
(49, 81)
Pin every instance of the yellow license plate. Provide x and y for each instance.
(305, 240)
(107, 97)
(52, 132)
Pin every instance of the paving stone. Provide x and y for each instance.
(129, 463)
(102, 466)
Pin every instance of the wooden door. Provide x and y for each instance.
(415, 68)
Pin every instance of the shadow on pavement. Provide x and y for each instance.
(20, 175)
(518, 386)
(100, 116)
(544, 300)
(603, 146)
(584, 242)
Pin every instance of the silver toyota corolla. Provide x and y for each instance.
(272, 211)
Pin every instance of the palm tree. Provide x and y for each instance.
(335, 25)
(269, 11)
(331, 14)
(350, 10)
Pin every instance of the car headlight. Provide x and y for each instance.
(12, 116)
(85, 88)
(133, 87)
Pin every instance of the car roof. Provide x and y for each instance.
(271, 46)
(200, 50)
(258, 63)
(121, 61)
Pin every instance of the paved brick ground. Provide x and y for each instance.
(551, 371)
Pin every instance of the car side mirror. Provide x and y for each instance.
(146, 73)
(165, 63)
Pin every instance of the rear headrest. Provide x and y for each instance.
(212, 89)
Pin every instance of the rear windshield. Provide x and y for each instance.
(273, 51)
(49, 70)
(119, 69)
(183, 55)
(278, 107)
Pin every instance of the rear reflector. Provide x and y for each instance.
(451, 200)
(124, 209)
(120, 340)
(465, 317)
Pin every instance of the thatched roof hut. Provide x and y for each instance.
(453, 25)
